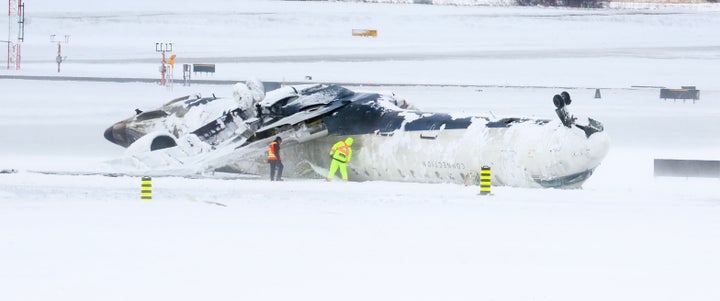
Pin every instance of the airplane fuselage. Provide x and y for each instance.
(391, 143)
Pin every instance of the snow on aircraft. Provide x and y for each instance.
(393, 141)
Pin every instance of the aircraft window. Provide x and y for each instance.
(503, 123)
(429, 136)
(312, 107)
(312, 89)
(150, 115)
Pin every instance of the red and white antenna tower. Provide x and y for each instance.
(16, 32)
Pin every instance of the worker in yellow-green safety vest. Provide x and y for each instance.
(340, 154)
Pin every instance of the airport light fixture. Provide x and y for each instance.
(59, 58)
(163, 47)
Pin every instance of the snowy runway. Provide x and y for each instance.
(626, 235)
(88, 237)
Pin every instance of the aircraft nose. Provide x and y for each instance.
(116, 134)
(109, 135)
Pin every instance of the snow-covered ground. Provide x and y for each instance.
(625, 236)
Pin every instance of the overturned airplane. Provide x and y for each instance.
(393, 141)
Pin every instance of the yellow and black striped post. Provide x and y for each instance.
(146, 189)
(485, 180)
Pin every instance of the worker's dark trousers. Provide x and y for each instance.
(276, 164)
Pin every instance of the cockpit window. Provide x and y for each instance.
(315, 97)
(276, 109)
(150, 115)
(331, 91)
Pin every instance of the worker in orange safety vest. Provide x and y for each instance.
(274, 159)
(340, 153)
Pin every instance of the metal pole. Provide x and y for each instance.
(18, 57)
(9, 32)
(163, 47)
(162, 70)
(21, 33)
(59, 57)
